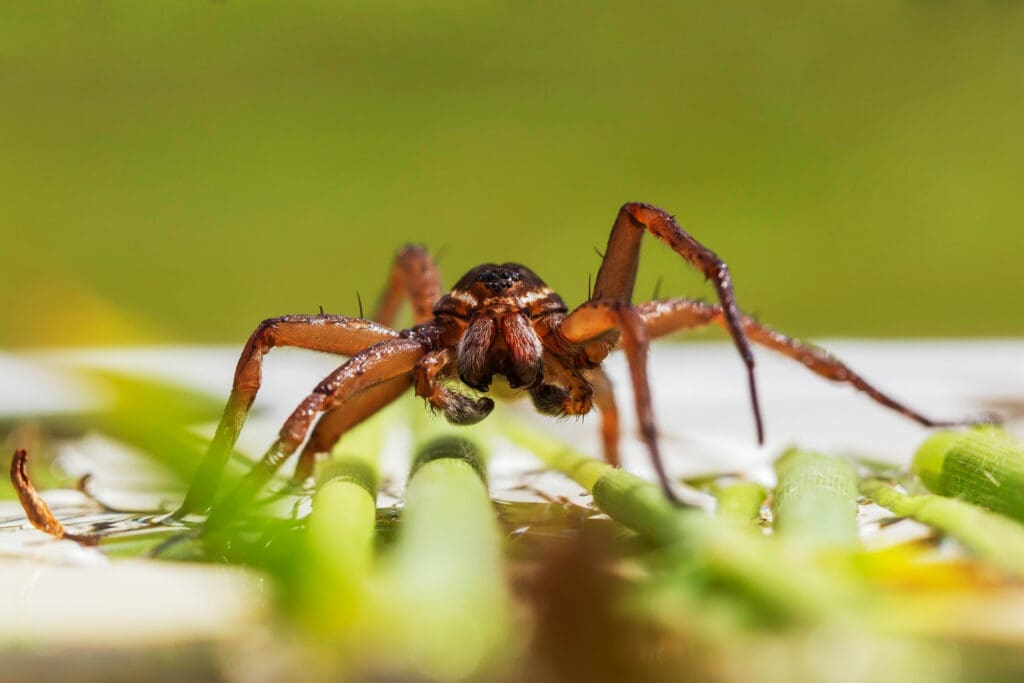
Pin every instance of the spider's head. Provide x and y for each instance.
(499, 304)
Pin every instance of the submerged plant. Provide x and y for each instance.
(439, 589)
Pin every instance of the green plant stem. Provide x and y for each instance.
(739, 504)
(984, 466)
(341, 531)
(816, 500)
(783, 586)
(446, 584)
(991, 536)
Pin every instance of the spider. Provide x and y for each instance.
(499, 320)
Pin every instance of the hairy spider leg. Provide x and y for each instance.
(597, 319)
(328, 333)
(378, 364)
(564, 391)
(617, 275)
(415, 275)
(337, 421)
(604, 399)
(671, 315)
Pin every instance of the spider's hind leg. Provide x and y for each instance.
(413, 275)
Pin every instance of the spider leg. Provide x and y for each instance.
(595, 320)
(458, 408)
(667, 316)
(413, 274)
(617, 275)
(564, 389)
(568, 391)
(329, 333)
(375, 366)
(336, 422)
(604, 399)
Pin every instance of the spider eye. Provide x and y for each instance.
(499, 279)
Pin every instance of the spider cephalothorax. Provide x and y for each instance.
(498, 320)
(503, 320)
(499, 315)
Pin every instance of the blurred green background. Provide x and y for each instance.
(177, 171)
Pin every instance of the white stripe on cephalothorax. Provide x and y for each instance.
(464, 297)
(535, 295)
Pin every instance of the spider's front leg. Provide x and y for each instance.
(413, 275)
(376, 366)
(617, 276)
(590, 327)
(328, 333)
(336, 422)
(427, 377)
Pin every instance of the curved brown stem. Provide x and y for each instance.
(36, 509)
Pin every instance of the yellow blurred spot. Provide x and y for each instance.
(60, 312)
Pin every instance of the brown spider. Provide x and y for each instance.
(498, 320)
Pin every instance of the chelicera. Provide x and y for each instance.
(499, 320)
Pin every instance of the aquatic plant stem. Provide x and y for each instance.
(993, 537)
(445, 584)
(779, 584)
(815, 500)
(340, 532)
(739, 504)
(984, 466)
